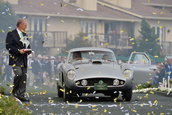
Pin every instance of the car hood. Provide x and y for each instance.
(87, 71)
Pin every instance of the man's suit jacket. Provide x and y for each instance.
(13, 45)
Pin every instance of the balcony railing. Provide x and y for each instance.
(110, 40)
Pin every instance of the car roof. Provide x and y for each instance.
(90, 48)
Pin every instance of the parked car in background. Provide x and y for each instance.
(89, 70)
(143, 70)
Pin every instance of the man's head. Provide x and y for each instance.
(39, 57)
(106, 56)
(58, 58)
(169, 59)
(77, 55)
(21, 24)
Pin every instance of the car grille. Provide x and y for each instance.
(108, 81)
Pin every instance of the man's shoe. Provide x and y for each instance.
(15, 95)
(23, 99)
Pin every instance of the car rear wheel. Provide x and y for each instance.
(127, 95)
(59, 93)
(67, 94)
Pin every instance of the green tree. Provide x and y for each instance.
(7, 21)
(148, 42)
(79, 41)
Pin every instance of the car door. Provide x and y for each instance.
(143, 70)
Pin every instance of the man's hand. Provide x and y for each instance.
(21, 51)
(157, 71)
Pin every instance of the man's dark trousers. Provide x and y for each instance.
(20, 77)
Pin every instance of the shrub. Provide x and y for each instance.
(10, 106)
(144, 85)
(2, 90)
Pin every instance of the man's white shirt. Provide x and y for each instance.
(19, 32)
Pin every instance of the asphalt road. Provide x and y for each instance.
(141, 104)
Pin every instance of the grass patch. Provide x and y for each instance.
(30, 89)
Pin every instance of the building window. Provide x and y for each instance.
(160, 32)
(35, 25)
(95, 27)
(153, 29)
(106, 28)
(30, 23)
(86, 27)
(91, 28)
(82, 26)
(45, 25)
(159, 7)
(40, 25)
(163, 34)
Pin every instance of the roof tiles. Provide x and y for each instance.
(59, 8)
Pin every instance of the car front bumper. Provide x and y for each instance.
(88, 89)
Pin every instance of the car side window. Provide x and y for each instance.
(107, 56)
(139, 59)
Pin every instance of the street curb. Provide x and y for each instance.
(157, 92)
(163, 93)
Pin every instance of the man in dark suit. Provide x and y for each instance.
(18, 58)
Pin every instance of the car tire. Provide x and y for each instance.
(115, 95)
(59, 93)
(79, 94)
(67, 96)
(127, 95)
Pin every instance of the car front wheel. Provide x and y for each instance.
(67, 94)
(59, 93)
(127, 95)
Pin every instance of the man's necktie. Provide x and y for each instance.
(22, 38)
(21, 35)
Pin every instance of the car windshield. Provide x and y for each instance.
(139, 59)
(104, 56)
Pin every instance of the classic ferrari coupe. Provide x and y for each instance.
(89, 69)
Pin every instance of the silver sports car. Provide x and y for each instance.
(89, 70)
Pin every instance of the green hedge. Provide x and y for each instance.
(145, 85)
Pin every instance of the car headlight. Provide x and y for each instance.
(71, 74)
(116, 82)
(127, 73)
(84, 82)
